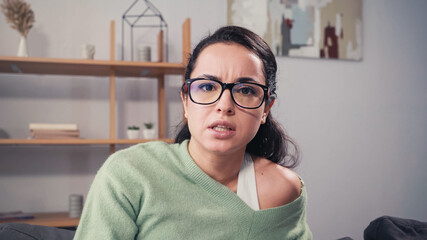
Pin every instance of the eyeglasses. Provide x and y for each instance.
(247, 95)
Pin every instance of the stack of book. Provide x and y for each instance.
(18, 215)
(53, 131)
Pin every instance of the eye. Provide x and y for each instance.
(245, 89)
(207, 86)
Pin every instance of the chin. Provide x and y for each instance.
(224, 147)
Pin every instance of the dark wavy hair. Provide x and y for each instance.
(271, 141)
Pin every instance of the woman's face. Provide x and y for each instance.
(223, 127)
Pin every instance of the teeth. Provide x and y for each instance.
(221, 128)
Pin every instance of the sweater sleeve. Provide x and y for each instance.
(108, 212)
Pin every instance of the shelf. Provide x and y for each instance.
(84, 67)
(79, 141)
(104, 68)
(53, 219)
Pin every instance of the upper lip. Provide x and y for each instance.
(222, 123)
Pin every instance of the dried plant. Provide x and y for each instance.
(19, 14)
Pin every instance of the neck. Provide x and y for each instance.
(223, 167)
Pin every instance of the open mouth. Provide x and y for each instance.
(221, 128)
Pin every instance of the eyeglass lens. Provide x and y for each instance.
(247, 95)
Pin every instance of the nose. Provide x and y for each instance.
(225, 103)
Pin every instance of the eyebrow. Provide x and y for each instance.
(246, 79)
(210, 77)
(241, 79)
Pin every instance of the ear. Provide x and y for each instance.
(267, 110)
(184, 103)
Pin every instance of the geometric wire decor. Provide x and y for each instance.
(148, 18)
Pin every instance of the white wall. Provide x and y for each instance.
(361, 126)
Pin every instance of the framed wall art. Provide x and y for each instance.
(303, 28)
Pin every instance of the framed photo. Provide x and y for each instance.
(303, 28)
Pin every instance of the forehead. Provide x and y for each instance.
(228, 61)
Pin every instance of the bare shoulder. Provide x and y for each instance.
(276, 185)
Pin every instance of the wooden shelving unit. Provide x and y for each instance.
(54, 219)
(108, 68)
(83, 67)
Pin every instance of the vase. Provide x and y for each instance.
(132, 133)
(22, 48)
(88, 51)
(149, 133)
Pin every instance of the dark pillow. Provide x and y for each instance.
(23, 231)
(393, 228)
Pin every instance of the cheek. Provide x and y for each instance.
(255, 124)
(253, 116)
(196, 116)
(251, 121)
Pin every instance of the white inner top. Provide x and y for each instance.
(246, 184)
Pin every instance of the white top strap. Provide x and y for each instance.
(246, 183)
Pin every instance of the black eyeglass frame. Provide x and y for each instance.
(224, 86)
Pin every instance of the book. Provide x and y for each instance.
(54, 134)
(53, 126)
(18, 215)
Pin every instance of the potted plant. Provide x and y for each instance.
(20, 16)
(149, 132)
(133, 132)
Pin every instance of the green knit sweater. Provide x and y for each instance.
(156, 191)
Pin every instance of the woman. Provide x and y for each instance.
(226, 176)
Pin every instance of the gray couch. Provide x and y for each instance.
(23, 231)
(383, 228)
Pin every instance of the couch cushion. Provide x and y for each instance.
(392, 228)
(23, 231)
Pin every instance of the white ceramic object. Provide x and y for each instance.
(132, 134)
(149, 133)
(22, 48)
(88, 51)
